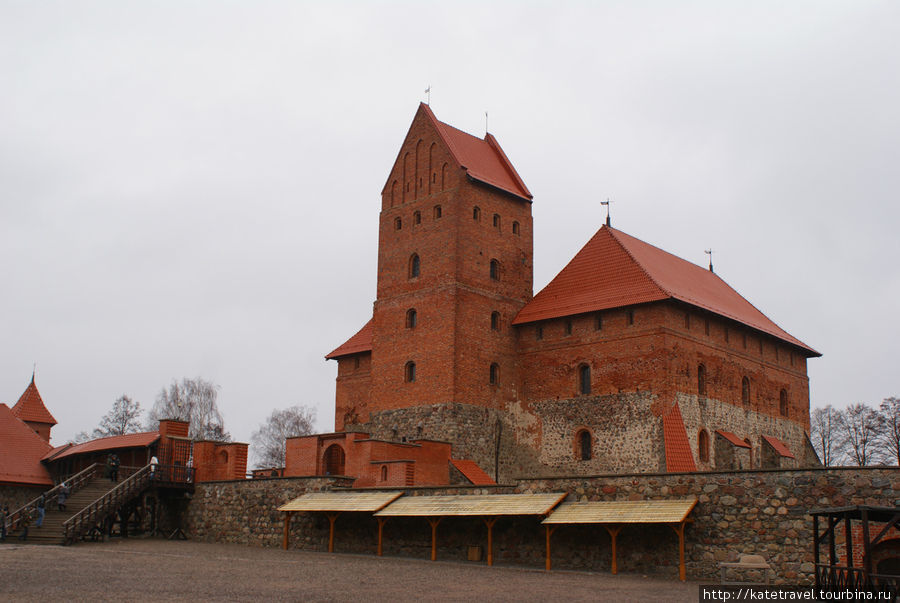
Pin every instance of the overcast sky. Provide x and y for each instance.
(192, 188)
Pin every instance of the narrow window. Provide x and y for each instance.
(411, 318)
(539, 332)
(792, 359)
(409, 372)
(356, 362)
(687, 321)
(515, 228)
(745, 391)
(495, 374)
(496, 220)
(417, 217)
(631, 317)
(776, 353)
(701, 380)
(476, 213)
(783, 403)
(437, 212)
(598, 321)
(744, 340)
(495, 321)
(760, 346)
(706, 326)
(495, 270)
(703, 446)
(414, 266)
(584, 379)
(583, 440)
(384, 473)
(398, 223)
(568, 327)
(726, 334)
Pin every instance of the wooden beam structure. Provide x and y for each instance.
(434, 521)
(381, 522)
(613, 533)
(332, 517)
(489, 522)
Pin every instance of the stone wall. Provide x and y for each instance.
(758, 512)
(17, 496)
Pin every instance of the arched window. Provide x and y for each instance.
(398, 223)
(783, 403)
(495, 321)
(568, 327)
(539, 332)
(515, 228)
(496, 220)
(583, 444)
(630, 317)
(703, 446)
(495, 374)
(584, 379)
(598, 321)
(495, 270)
(334, 460)
(437, 212)
(745, 391)
(414, 265)
(701, 380)
(409, 372)
(417, 217)
(411, 318)
(384, 473)
(476, 213)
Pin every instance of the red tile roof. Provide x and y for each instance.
(678, 449)
(131, 440)
(21, 450)
(615, 269)
(483, 159)
(779, 446)
(361, 342)
(30, 406)
(473, 472)
(733, 438)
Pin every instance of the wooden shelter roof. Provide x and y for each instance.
(472, 505)
(623, 511)
(341, 501)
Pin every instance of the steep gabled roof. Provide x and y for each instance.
(130, 440)
(678, 450)
(615, 269)
(21, 450)
(736, 441)
(30, 406)
(472, 472)
(361, 342)
(779, 446)
(483, 159)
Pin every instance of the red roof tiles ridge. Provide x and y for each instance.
(678, 450)
(129, 440)
(779, 446)
(473, 472)
(361, 341)
(30, 406)
(21, 452)
(514, 174)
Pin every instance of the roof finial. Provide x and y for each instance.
(428, 92)
(709, 252)
(33, 371)
(485, 124)
(606, 203)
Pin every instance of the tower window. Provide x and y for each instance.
(745, 391)
(495, 374)
(495, 270)
(539, 332)
(495, 321)
(496, 220)
(384, 473)
(706, 326)
(703, 446)
(598, 321)
(583, 443)
(515, 228)
(744, 340)
(687, 321)
(398, 223)
(476, 213)
(584, 379)
(726, 334)
(417, 217)
(783, 403)
(568, 327)
(630, 317)
(411, 318)
(414, 266)
(409, 372)
(701, 380)
(437, 212)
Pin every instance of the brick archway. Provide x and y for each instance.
(334, 460)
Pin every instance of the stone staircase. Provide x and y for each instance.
(51, 532)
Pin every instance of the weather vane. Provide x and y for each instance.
(709, 252)
(428, 92)
(606, 203)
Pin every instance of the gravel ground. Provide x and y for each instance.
(157, 570)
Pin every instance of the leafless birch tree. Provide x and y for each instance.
(269, 440)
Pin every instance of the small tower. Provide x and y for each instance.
(30, 410)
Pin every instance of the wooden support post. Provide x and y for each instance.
(434, 524)
(549, 533)
(287, 529)
(613, 533)
(381, 521)
(679, 529)
(331, 519)
(489, 522)
(866, 542)
(848, 539)
(832, 551)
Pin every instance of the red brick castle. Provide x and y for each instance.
(630, 360)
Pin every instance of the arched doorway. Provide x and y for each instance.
(334, 460)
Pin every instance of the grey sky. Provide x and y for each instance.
(192, 188)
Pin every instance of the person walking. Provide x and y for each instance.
(153, 464)
(40, 511)
(62, 496)
(25, 522)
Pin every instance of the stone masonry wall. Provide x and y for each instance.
(17, 496)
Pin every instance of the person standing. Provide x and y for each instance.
(25, 522)
(62, 497)
(40, 511)
(114, 468)
(153, 463)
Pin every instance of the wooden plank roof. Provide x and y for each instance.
(341, 501)
(623, 511)
(472, 505)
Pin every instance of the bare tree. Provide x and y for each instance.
(889, 438)
(125, 417)
(860, 429)
(269, 439)
(191, 400)
(824, 434)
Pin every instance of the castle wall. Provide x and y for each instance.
(353, 389)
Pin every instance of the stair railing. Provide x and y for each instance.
(105, 506)
(75, 483)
